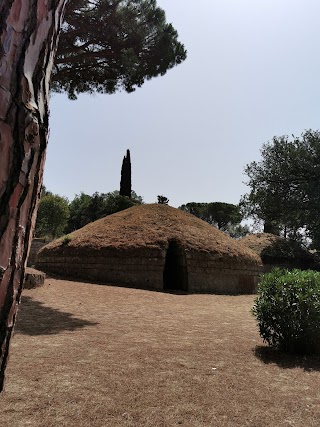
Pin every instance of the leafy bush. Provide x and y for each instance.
(287, 309)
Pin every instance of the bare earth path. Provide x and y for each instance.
(86, 355)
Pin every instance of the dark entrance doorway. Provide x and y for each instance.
(175, 274)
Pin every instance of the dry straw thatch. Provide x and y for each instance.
(139, 238)
(277, 251)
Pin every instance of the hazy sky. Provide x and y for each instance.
(252, 72)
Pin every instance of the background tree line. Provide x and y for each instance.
(284, 187)
(284, 197)
(56, 216)
(226, 217)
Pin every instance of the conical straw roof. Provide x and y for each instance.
(153, 226)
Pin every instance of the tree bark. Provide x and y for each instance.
(29, 31)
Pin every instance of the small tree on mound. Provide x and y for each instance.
(163, 200)
(287, 309)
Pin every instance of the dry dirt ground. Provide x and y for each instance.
(86, 355)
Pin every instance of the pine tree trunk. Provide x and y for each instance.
(29, 35)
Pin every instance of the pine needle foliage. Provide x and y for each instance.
(109, 45)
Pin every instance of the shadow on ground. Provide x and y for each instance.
(287, 361)
(117, 285)
(34, 318)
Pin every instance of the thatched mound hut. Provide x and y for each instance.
(275, 251)
(154, 247)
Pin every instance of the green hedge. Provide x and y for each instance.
(287, 309)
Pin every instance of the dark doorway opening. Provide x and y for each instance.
(175, 273)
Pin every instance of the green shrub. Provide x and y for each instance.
(287, 309)
(66, 239)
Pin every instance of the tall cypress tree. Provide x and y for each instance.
(125, 183)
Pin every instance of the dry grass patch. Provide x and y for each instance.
(87, 355)
(275, 249)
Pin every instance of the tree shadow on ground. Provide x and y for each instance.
(116, 285)
(34, 318)
(287, 361)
